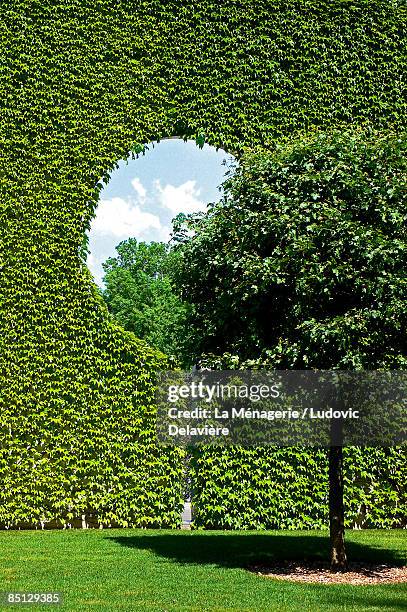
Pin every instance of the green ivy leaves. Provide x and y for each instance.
(83, 84)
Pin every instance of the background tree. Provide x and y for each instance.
(139, 292)
(302, 265)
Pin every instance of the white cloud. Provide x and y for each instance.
(95, 267)
(123, 218)
(120, 218)
(139, 188)
(91, 260)
(183, 198)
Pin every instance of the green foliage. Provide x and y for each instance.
(64, 458)
(140, 295)
(302, 264)
(287, 488)
(83, 85)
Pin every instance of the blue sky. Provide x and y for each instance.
(144, 195)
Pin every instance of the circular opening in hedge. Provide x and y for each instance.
(144, 194)
(131, 253)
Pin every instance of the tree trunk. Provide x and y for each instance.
(336, 511)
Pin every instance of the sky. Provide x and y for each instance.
(145, 194)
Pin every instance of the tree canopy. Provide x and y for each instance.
(302, 263)
(140, 295)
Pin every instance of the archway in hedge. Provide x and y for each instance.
(131, 248)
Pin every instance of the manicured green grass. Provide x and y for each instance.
(162, 570)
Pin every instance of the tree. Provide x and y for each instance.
(302, 265)
(140, 294)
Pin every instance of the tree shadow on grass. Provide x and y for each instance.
(237, 550)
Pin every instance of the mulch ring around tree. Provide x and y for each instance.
(319, 572)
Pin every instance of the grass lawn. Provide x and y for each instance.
(162, 570)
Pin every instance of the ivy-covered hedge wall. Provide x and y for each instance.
(287, 488)
(84, 447)
(82, 83)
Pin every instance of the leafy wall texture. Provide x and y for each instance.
(83, 84)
